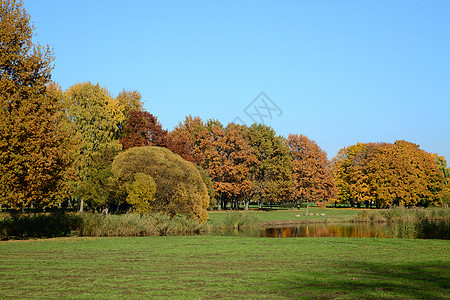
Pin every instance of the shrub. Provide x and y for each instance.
(141, 193)
(180, 188)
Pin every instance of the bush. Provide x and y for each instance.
(39, 226)
(180, 188)
(141, 193)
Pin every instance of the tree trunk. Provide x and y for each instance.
(246, 204)
(219, 205)
(81, 205)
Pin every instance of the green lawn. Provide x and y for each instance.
(225, 267)
(330, 215)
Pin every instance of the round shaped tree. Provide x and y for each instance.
(179, 185)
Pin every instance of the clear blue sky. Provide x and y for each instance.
(341, 72)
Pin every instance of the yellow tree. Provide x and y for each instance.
(96, 117)
(33, 137)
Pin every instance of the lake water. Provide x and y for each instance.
(362, 230)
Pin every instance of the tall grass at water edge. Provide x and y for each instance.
(411, 223)
(95, 225)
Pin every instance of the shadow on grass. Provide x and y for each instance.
(361, 280)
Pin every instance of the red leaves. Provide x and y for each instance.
(142, 129)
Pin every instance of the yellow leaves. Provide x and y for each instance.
(141, 193)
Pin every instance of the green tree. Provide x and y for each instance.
(33, 133)
(141, 193)
(180, 188)
(272, 172)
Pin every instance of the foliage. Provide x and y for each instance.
(33, 133)
(39, 226)
(209, 185)
(96, 117)
(272, 173)
(312, 178)
(142, 129)
(129, 101)
(141, 193)
(225, 154)
(184, 137)
(181, 189)
(387, 174)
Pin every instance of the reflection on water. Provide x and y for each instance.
(326, 230)
(423, 229)
(313, 230)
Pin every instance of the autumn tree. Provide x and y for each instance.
(95, 116)
(226, 155)
(142, 129)
(312, 178)
(180, 188)
(33, 136)
(352, 174)
(405, 175)
(130, 101)
(442, 165)
(272, 174)
(387, 174)
(184, 137)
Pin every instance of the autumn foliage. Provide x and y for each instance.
(311, 174)
(142, 129)
(387, 174)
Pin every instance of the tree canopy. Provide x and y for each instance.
(180, 188)
(34, 139)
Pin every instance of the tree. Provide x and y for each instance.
(180, 188)
(184, 137)
(312, 178)
(95, 116)
(227, 157)
(272, 174)
(142, 129)
(352, 173)
(405, 175)
(388, 174)
(141, 193)
(33, 133)
(130, 101)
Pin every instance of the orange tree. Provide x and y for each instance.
(184, 137)
(225, 154)
(312, 178)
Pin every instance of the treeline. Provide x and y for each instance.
(74, 148)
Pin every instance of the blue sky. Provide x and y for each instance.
(340, 72)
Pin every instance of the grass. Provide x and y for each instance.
(213, 267)
(315, 214)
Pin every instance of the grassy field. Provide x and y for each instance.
(193, 267)
(315, 214)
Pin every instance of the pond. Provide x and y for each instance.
(361, 230)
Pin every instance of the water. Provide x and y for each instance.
(361, 230)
